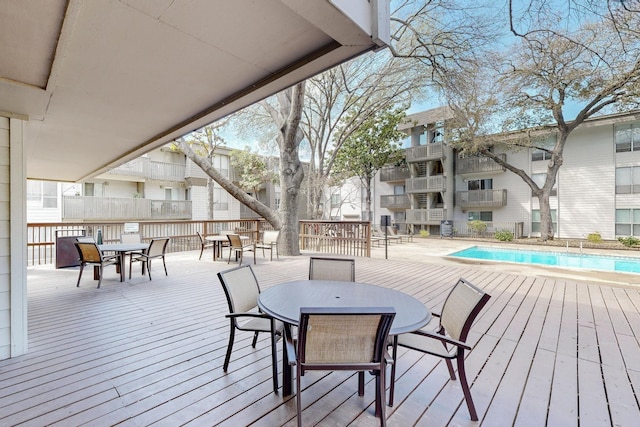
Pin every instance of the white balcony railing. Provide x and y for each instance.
(77, 208)
(426, 184)
(425, 216)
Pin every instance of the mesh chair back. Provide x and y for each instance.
(270, 236)
(332, 269)
(130, 238)
(343, 336)
(89, 252)
(234, 240)
(461, 307)
(241, 288)
(157, 247)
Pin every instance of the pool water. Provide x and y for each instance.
(554, 259)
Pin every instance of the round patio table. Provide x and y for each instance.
(283, 302)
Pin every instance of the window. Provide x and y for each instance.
(220, 199)
(540, 178)
(628, 222)
(628, 180)
(627, 137)
(480, 184)
(42, 194)
(535, 220)
(277, 198)
(335, 199)
(398, 190)
(546, 144)
(486, 216)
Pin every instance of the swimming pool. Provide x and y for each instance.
(554, 259)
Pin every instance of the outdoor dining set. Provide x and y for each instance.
(100, 255)
(330, 322)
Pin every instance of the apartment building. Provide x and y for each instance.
(597, 189)
(161, 185)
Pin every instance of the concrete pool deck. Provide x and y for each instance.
(435, 251)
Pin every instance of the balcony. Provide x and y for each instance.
(425, 152)
(426, 184)
(426, 216)
(481, 198)
(395, 201)
(394, 173)
(476, 164)
(79, 208)
(148, 169)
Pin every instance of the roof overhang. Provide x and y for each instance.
(103, 82)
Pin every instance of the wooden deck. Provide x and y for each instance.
(140, 353)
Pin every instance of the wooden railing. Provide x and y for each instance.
(336, 237)
(426, 184)
(477, 164)
(481, 198)
(341, 238)
(395, 201)
(394, 173)
(422, 153)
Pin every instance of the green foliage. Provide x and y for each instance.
(504, 235)
(371, 146)
(629, 241)
(424, 233)
(252, 170)
(594, 237)
(477, 226)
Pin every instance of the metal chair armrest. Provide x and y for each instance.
(442, 338)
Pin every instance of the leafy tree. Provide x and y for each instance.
(370, 147)
(341, 99)
(252, 169)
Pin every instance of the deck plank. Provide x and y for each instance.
(547, 351)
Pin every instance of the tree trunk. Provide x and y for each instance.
(210, 200)
(546, 221)
(291, 173)
(367, 187)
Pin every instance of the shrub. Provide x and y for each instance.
(628, 241)
(424, 233)
(504, 235)
(594, 237)
(477, 226)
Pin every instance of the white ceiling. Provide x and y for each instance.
(104, 81)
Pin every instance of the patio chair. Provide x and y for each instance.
(204, 244)
(242, 290)
(237, 246)
(393, 232)
(342, 339)
(130, 238)
(157, 250)
(460, 309)
(389, 237)
(269, 242)
(342, 269)
(91, 255)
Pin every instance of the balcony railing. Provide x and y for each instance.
(425, 152)
(394, 173)
(426, 184)
(145, 168)
(425, 216)
(481, 198)
(476, 164)
(396, 201)
(77, 208)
